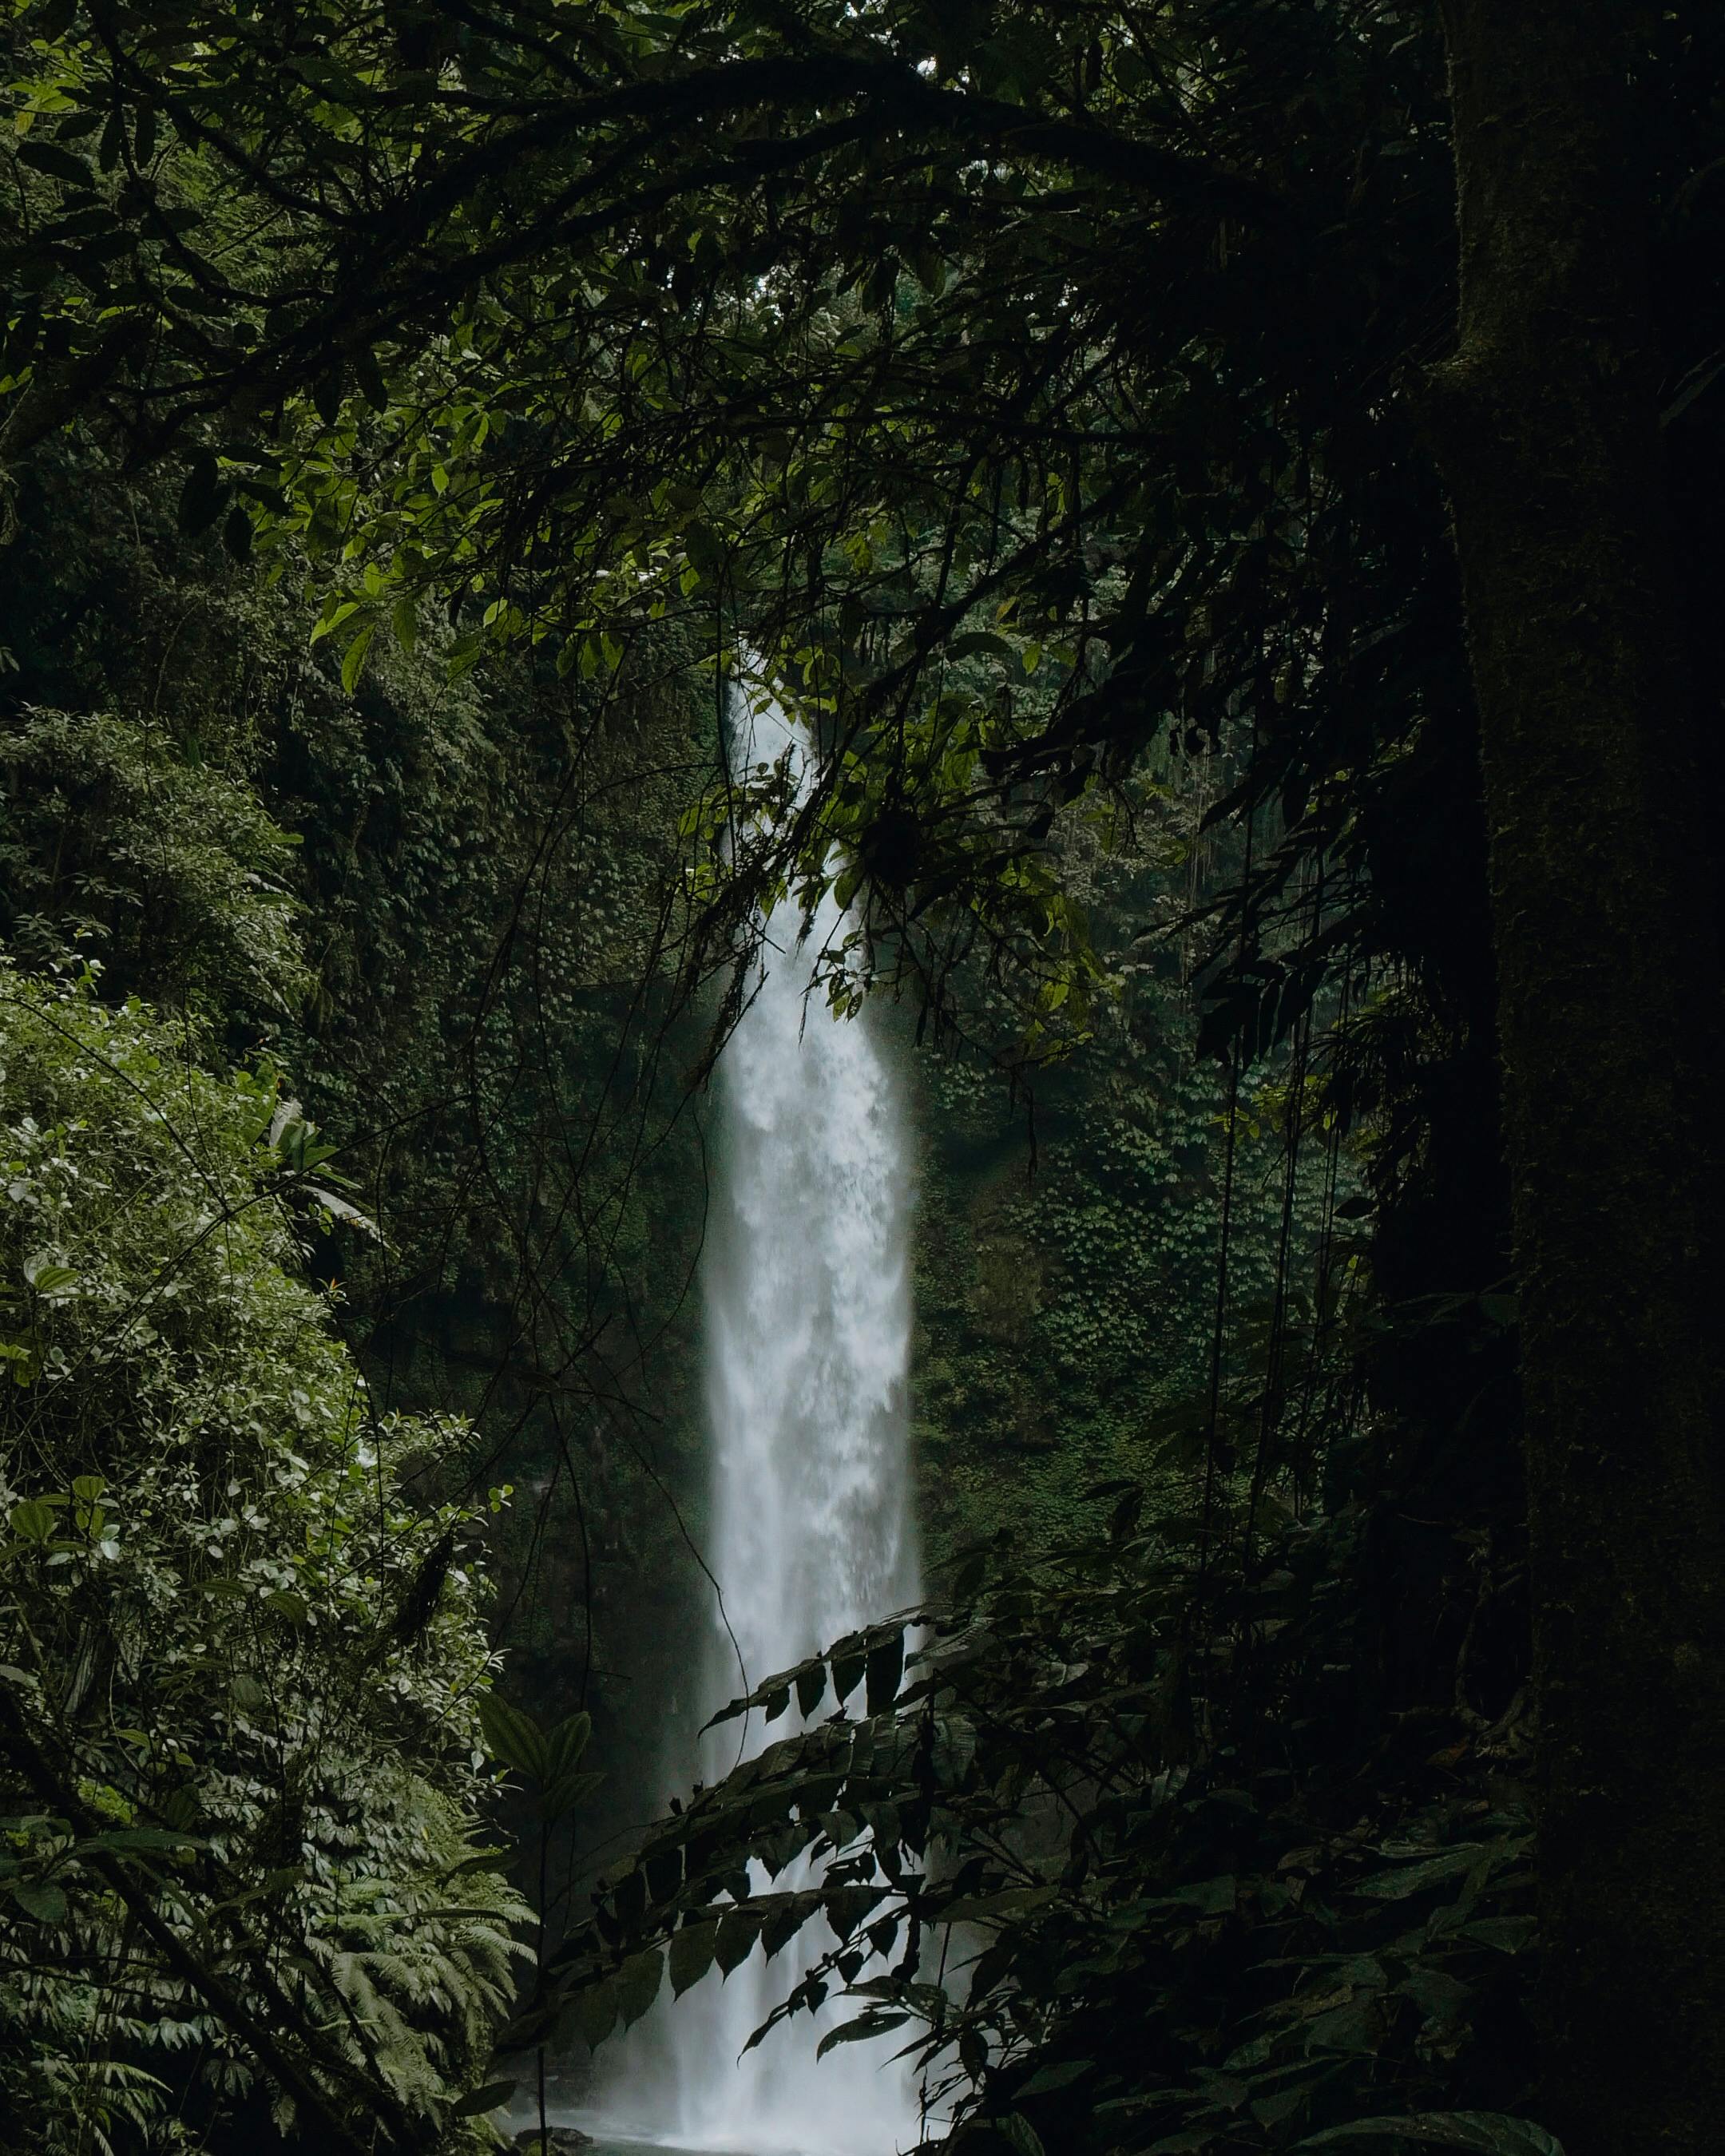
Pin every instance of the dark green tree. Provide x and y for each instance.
(1018, 384)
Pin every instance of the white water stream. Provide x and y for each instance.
(807, 1349)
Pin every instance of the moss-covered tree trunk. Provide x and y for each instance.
(1547, 428)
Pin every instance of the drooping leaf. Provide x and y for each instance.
(811, 1687)
(203, 497)
(563, 1792)
(637, 1983)
(691, 1955)
(848, 1661)
(859, 2030)
(663, 1873)
(595, 2014)
(885, 1666)
(353, 658)
(738, 1930)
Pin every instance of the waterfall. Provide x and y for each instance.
(808, 1324)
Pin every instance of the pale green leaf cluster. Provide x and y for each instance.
(242, 1646)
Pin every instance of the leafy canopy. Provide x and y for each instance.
(1003, 383)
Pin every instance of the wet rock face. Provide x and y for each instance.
(557, 2141)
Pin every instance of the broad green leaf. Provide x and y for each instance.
(353, 658)
(32, 1520)
(848, 1660)
(1486, 2133)
(1046, 2079)
(563, 1792)
(1409, 1879)
(594, 2014)
(512, 1737)
(858, 2031)
(491, 2098)
(738, 1930)
(1022, 2136)
(691, 1955)
(41, 1899)
(885, 1666)
(49, 157)
(637, 1983)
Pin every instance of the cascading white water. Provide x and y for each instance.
(807, 1351)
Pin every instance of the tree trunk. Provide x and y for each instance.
(1547, 428)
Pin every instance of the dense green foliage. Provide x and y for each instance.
(1047, 401)
(1068, 1236)
(245, 1656)
(458, 891)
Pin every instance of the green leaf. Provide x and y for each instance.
(565, 1743)
(354, 657)
(595, 2014)
(32, 1520)
(42, 1899)
(512, 1737)
(885, 1666)
(1022, 2136)
(563, 1792)
(133, 1840)
(860, 2031)
(490, 2098)
(1409, 1879)
(52, 1281)
(637, 1983)
(203, 496)
(1046, 2079)
(738, 1930)
(369, 375)
(61, 164)
(848, 1661)
(691, 1955)
(1488, 2133)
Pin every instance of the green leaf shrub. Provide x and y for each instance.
(243, 1658)
(1111, 1858)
